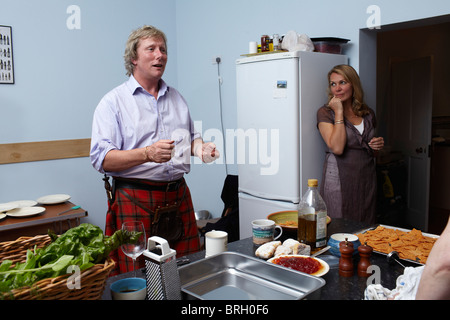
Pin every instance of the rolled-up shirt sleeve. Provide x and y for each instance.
(105, 133)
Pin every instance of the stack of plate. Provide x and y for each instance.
(26, 208)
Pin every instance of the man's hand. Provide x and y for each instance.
(160, 151)
(207, 152)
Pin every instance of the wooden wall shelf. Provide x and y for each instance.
(44, 150)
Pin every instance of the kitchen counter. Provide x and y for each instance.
(336, 287)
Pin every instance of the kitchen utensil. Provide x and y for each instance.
(73, 208)
(393, 256)
(202, 215)
(365, 252)
(182, 261)
(163, 280)
(346, 259)
(320, 251)
(235, 276)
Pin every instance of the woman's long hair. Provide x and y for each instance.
(351, 76)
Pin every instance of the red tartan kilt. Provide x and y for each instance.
(124, 209)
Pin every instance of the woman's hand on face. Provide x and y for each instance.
(336, 105)
(377, 143)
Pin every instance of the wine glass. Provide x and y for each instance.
(134, 250)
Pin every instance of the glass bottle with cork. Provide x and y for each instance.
(312, 218)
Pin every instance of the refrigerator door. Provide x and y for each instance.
(279, 147)
(268, 127)
(258, 208)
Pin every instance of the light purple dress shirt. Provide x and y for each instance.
(128, 117)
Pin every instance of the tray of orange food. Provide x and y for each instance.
(411, 245)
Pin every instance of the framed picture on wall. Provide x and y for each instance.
(6, 55)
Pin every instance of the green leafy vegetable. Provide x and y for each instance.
(83, 246)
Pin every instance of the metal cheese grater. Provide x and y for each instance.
(163, 280)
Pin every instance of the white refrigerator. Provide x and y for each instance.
(278, 144)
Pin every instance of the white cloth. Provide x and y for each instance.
(406, 289)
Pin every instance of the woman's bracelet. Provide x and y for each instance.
(339, 121)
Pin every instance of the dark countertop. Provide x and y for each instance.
(336, 287)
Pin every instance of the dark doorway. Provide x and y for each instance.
(381, 50)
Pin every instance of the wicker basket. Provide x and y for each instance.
(92, 280)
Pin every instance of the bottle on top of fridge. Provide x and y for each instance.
(312, 217)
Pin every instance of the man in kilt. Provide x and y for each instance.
(143, 137)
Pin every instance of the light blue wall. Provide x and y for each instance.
(61, 74)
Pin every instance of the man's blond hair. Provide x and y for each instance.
(133, 42)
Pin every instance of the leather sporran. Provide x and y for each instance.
(167, 223)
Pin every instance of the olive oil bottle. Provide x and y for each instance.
(312, 218)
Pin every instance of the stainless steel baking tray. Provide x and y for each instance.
(234, 276)
(401, 229)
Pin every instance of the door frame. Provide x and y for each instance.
(368, 58)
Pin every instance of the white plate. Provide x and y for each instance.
(25, 212)
(24, 203)
(320, 273)
(53, 199)
(7, 206)
(2, 216)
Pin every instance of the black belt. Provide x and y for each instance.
(166, 186)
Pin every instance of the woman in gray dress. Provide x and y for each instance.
(347, 126)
